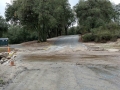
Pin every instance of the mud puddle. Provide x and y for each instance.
(96, 56)
(64, 58)
(52, 58)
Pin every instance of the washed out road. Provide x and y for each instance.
(66, 68)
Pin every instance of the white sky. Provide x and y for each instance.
(72, 2)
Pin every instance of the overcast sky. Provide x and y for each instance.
(72, 2)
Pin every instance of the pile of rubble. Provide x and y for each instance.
(4, 57)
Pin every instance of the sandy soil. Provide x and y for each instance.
(109, 46)
(51, 67)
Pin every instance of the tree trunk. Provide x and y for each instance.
(66, 31)
(57, 32)
(39, 37)
(44, 36)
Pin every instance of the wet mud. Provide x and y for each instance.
(53, 58)
(66, 58)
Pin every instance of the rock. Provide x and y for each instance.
(3, 58)
(3, 55)
(6, 60)
(1, 85)
(0, 54)
(8, 57)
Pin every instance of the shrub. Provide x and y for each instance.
(108, 32)
(117, 33)
(88, 37)
(112, 26)
(103, 36)
(72, 31)
(18, 34)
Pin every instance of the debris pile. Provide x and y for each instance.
(4, 57)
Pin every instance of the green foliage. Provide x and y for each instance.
(72, 31)
(108, 32)
(116, 13)
(104, 36)
(18, 34)
(11, 13)
(98, 23)
(48, 18)
(44, 19)
(83, 30)
(100, 37)
(91, 14)
(3, 26)
(88, 37)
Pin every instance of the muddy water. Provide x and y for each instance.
(53, 58)
(66, 58)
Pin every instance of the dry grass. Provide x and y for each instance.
(108, 45)
(5, 49)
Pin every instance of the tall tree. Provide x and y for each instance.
(94, 13)
(67, 15)
(11, 13)
(48, 17)
(116, 13)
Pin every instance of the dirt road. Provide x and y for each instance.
(65, 65)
